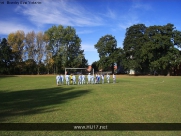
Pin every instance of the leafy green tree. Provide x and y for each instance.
(42, 68)
(108, 52)
(18, 68)
(133, 42)
(54, 35)
(5, 57)
(148, 49)
(95, 66)
(30, 66)
(65, 46)
(161, 53)
(176, 38)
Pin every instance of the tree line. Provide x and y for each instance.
(146, 50)
(42, 52)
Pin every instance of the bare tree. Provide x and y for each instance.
(30, 45)
(40, 48)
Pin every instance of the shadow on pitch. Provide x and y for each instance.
(6, 76)
(28, 102)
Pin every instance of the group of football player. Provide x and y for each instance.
(91, 79)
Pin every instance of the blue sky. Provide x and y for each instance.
(92, 19)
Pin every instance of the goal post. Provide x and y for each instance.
(79, 69)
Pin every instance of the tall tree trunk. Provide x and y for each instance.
(38, 70)
(168, 73)
(112, 68)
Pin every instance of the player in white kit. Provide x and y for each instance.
(88, 78)
(79, 79)
(74, 79)
(108, 77)
(58, 79)
(114, 78)
(67, 79)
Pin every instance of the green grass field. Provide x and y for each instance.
(132, 99)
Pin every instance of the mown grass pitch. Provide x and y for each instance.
(132, 99)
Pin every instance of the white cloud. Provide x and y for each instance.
(88, 48)
(133, 15)
(128, 20)
(138, 5)
(8, 27)
(111, 14)
(60, 12)
(85, 32)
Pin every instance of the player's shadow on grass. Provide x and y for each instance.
(6, 76)
(29, 102)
